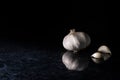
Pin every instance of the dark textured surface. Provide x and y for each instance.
(22, 62)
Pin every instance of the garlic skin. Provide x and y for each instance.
(76, 41)
(104, 49)
(74, 62)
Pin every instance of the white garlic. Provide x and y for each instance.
(104, 49)
(100, 57)
(73, 62)
(103, 54)
(97, 55)
(76, 41)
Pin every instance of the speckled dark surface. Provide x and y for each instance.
(18, 62)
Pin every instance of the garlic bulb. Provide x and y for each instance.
(76, 41)
(74, 62)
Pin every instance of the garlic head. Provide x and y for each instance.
(76, 41)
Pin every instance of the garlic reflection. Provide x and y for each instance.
(96, 60)
(76, 41)
(74, 62)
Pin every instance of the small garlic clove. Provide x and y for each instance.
(104, 49)
(97, 55)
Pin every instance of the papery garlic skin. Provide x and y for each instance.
(76, 41)
(71, 43)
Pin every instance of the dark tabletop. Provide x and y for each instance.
(31, 62)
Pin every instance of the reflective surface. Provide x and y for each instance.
(20, 62)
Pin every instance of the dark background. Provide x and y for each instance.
(46, 25)
(50, 22)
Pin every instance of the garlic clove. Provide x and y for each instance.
(74, 62)
(104, 49)
(97, 55)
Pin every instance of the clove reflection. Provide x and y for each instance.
(74, 61)
(96, 60)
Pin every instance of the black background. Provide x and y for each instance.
(46, 25)
(50, 22)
